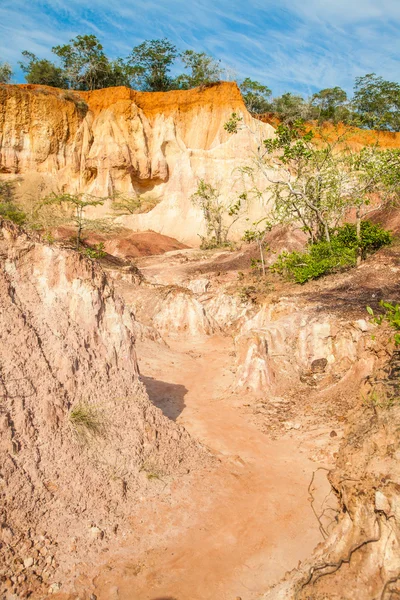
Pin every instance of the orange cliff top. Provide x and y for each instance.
(221, 94)
(355, 137)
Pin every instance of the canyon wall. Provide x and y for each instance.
(119, 140)
(79, 437)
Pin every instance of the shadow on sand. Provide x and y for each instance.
(169, 397)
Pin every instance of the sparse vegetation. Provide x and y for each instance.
(86, 421)
(79, 203)
(219, 217)
(123, 204)
(5, 72)
(95, 252)
(390, 315)
(338, 254)
(8, 208)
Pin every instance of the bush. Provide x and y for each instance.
(8, 209)
(323, 258)
(96, 252)
(373, 237)
(390, 315)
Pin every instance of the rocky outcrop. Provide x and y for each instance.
(286, 344)
(120, 140)
(77, 431)
(360, 558)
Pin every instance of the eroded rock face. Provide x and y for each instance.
(67, 346)
(360, 558)
(117, 139)
(283, 345)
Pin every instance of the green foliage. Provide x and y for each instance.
(377, 102)
(86, 67)
(330, 105)
(151, 63)
(131, 205)
(96, 252)
(5, 72)
(256, 96)
(203, 70)
(216, 214)
(325, 257)
(291, 107)
(373, 237)
(42, 71)
(79, 203)
(232, 125)
(390, 315)
(8, 208)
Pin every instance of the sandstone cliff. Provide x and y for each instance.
(120, 140)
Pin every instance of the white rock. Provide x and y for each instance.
(28, 562)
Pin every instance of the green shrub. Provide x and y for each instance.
(373, 237)
(323, 258)
(8, 209)
(390, 315)
(96, 252)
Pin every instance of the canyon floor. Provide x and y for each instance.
(231, 531)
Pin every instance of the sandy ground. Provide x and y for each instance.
(229, 532)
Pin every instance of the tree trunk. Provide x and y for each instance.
(358, 234)
(80, 225)
(327, 234)
(262, 258)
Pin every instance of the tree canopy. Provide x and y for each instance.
(151, 63)
(256, 96)
(158, 65)
(203, 69)
(5, 72)
(377, 102)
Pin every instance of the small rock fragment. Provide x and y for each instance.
(28, 562)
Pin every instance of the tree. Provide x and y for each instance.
(203, 69)
(79, 203)
(330, 104)
(290, 108)
(5, 72)
(215, 212)
(258, 234)
(256, 96)
(377, 175)
(42, 71)
(85, 65)
(377, 102)
(315, 182)
(151, 63)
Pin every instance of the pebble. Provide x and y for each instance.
(97, 533)
(55, 587)
(28, 562)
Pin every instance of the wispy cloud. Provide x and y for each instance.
(298, 45)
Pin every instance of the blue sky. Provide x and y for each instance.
(291, 45)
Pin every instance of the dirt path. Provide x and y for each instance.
(236, 529)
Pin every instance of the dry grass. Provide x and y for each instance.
(87, 422)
